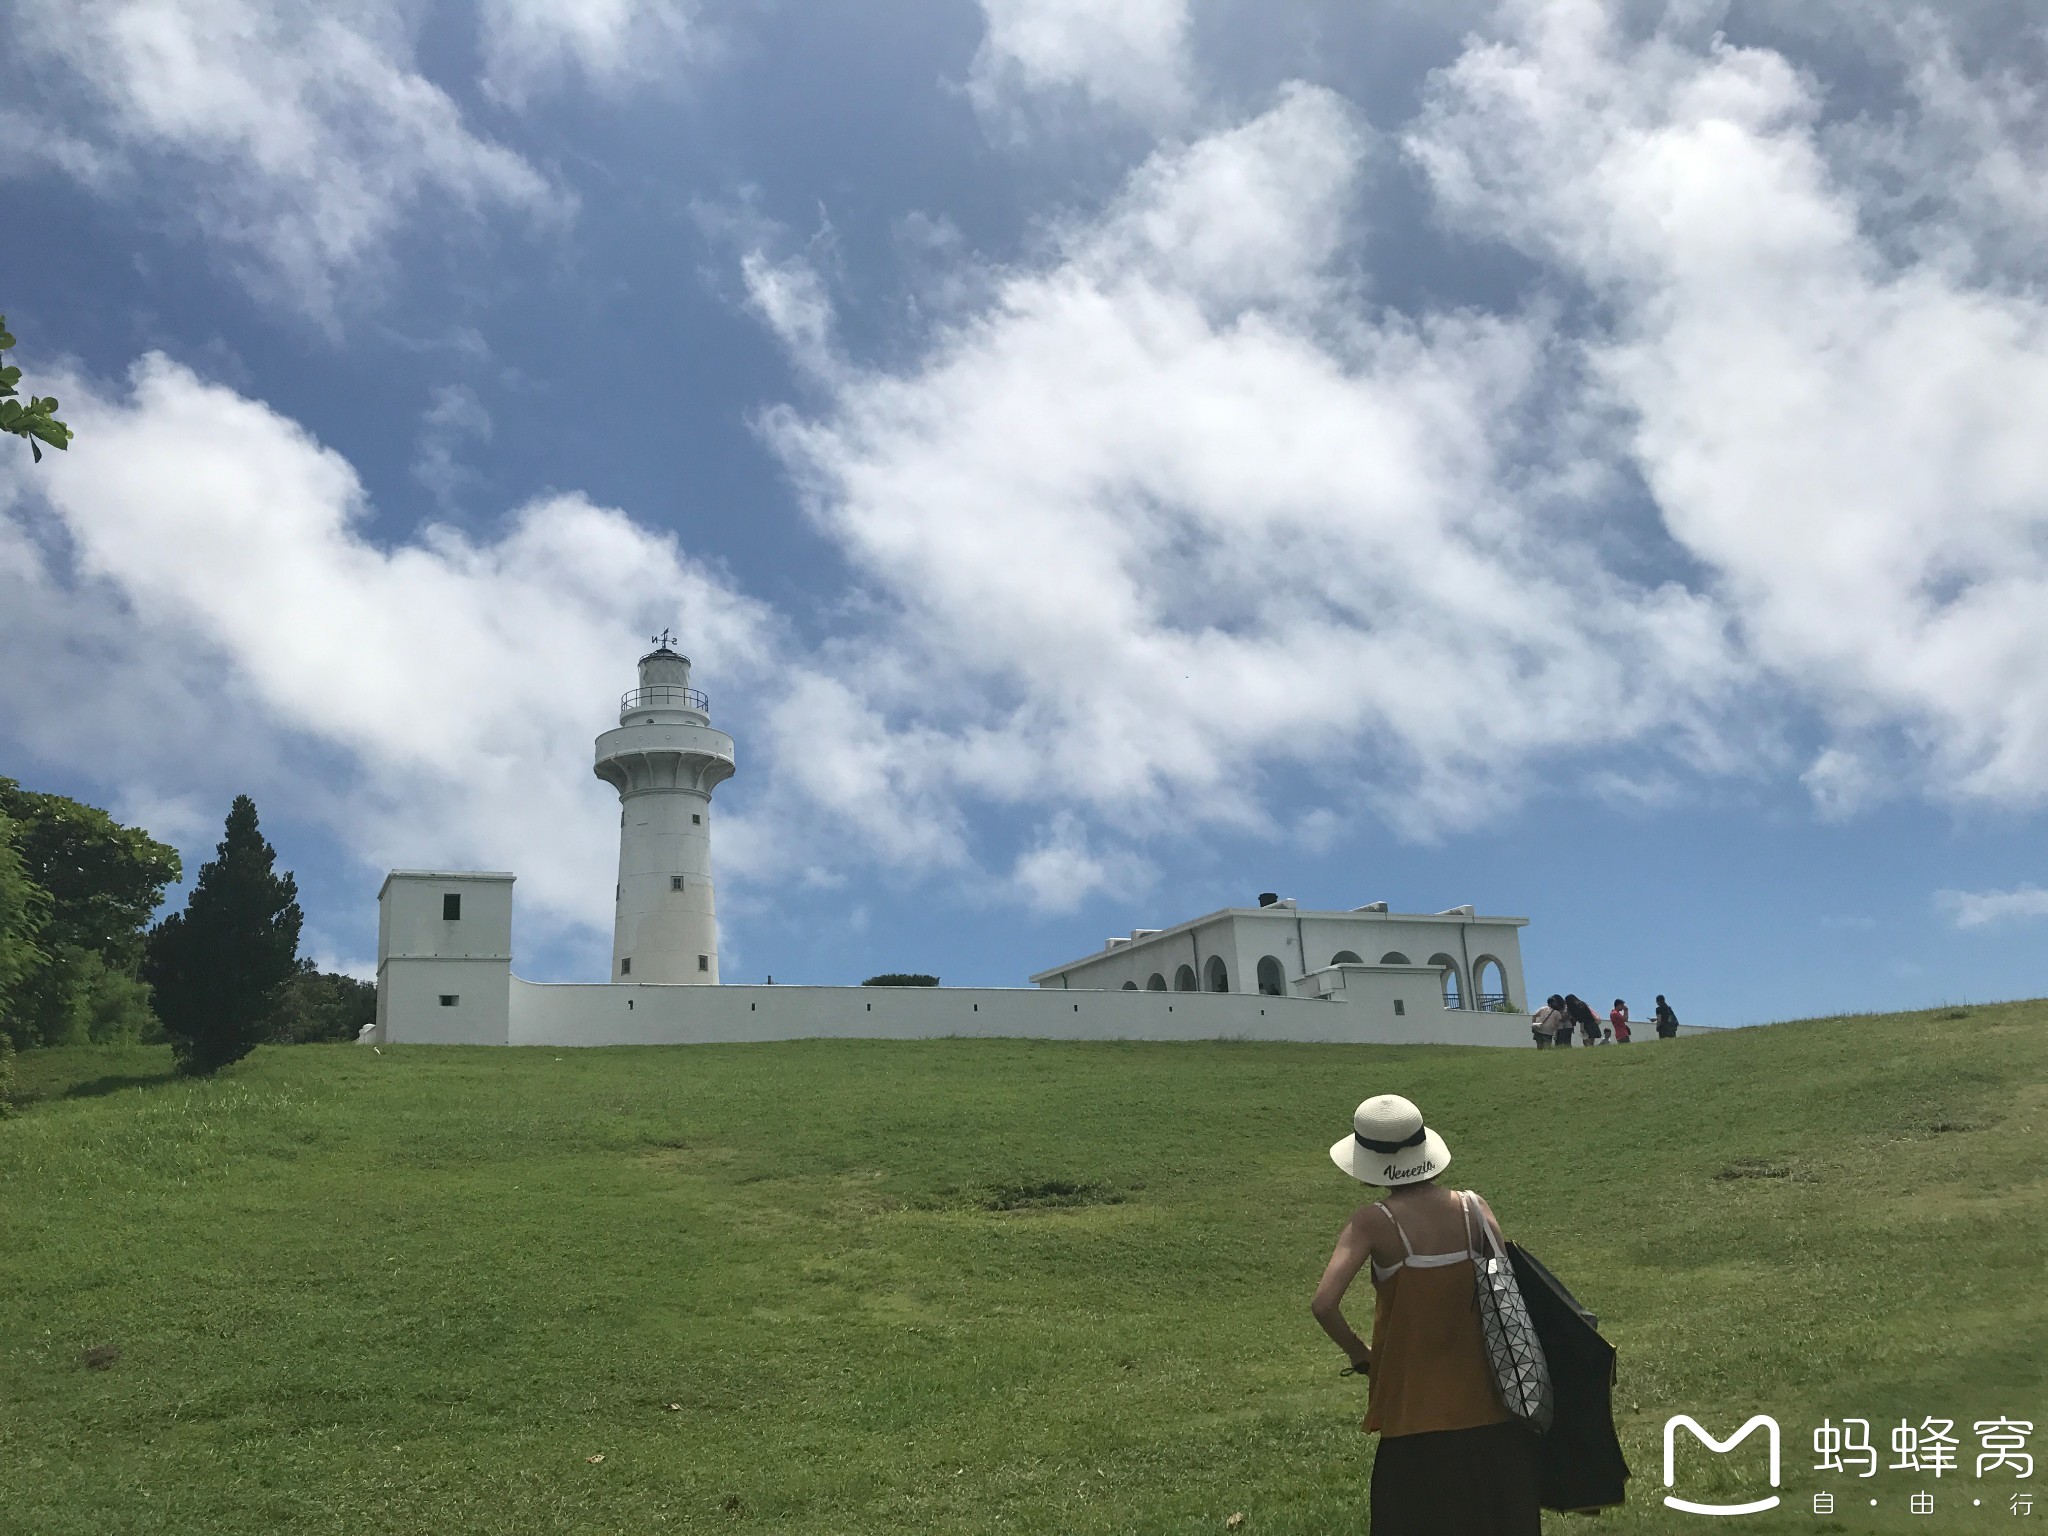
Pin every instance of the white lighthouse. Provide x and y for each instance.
(664, 760)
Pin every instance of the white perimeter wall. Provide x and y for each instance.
(623, 1014)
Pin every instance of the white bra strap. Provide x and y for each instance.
(1405, 1248)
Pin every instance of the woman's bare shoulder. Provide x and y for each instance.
(1369, 1225)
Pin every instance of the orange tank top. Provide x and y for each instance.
(1429, 1368)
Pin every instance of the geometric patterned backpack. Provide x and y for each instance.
(1521, 1376)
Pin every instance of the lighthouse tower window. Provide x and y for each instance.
(703, 962)
(626, 966)
(451, 908)
(675, 882)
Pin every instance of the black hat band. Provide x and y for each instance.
(1387, 1147)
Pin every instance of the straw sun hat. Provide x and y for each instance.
(1390, 1145)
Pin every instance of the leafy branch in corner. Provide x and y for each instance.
(37, 421)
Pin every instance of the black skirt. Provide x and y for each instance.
(1457, 1482)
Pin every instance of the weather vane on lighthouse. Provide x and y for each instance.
(664, 639)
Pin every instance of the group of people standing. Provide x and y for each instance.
(1560, 1018)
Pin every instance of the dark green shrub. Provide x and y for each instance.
(317, 1007)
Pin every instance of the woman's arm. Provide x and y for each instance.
(1354, 1248)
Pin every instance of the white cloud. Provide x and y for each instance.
(1131, 55)
(35, 143)
(1844, 782)
(528, 44)
(1977, 909)
(454, 417)
(1962, 180)
(791, 299)
(1178, 503)
(839, 761)
(1067, 867)
(299, 136)
(1177, 508)
(222, 621)
(1844, 432)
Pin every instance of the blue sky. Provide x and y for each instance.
(1577, 457)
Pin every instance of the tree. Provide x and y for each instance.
(24, 909)
(100, 882)
(37, 419)
(901, 979)
(218, 966)
(318, 1006)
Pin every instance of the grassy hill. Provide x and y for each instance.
(967, 1286)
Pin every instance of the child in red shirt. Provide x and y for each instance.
(1618, 1017)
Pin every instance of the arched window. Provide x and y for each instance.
(1156, 984)
(1272, 980)
(1184, 979)
(1394, 957)
(1489, 984)
(1345, 957)
(1448, 968)
(1218, 977)
(1130, 986)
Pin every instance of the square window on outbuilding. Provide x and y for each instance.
(626, 966)
(675, 882)
(451, 907)
(703, 962)
(450, 999)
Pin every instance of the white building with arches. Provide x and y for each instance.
(1454, 959)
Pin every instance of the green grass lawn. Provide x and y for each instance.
(968, 1285)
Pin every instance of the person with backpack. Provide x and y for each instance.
(1617, 1016)
(1667, 1021)
(1549, 1023)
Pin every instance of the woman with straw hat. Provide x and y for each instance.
(1452, 1461)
